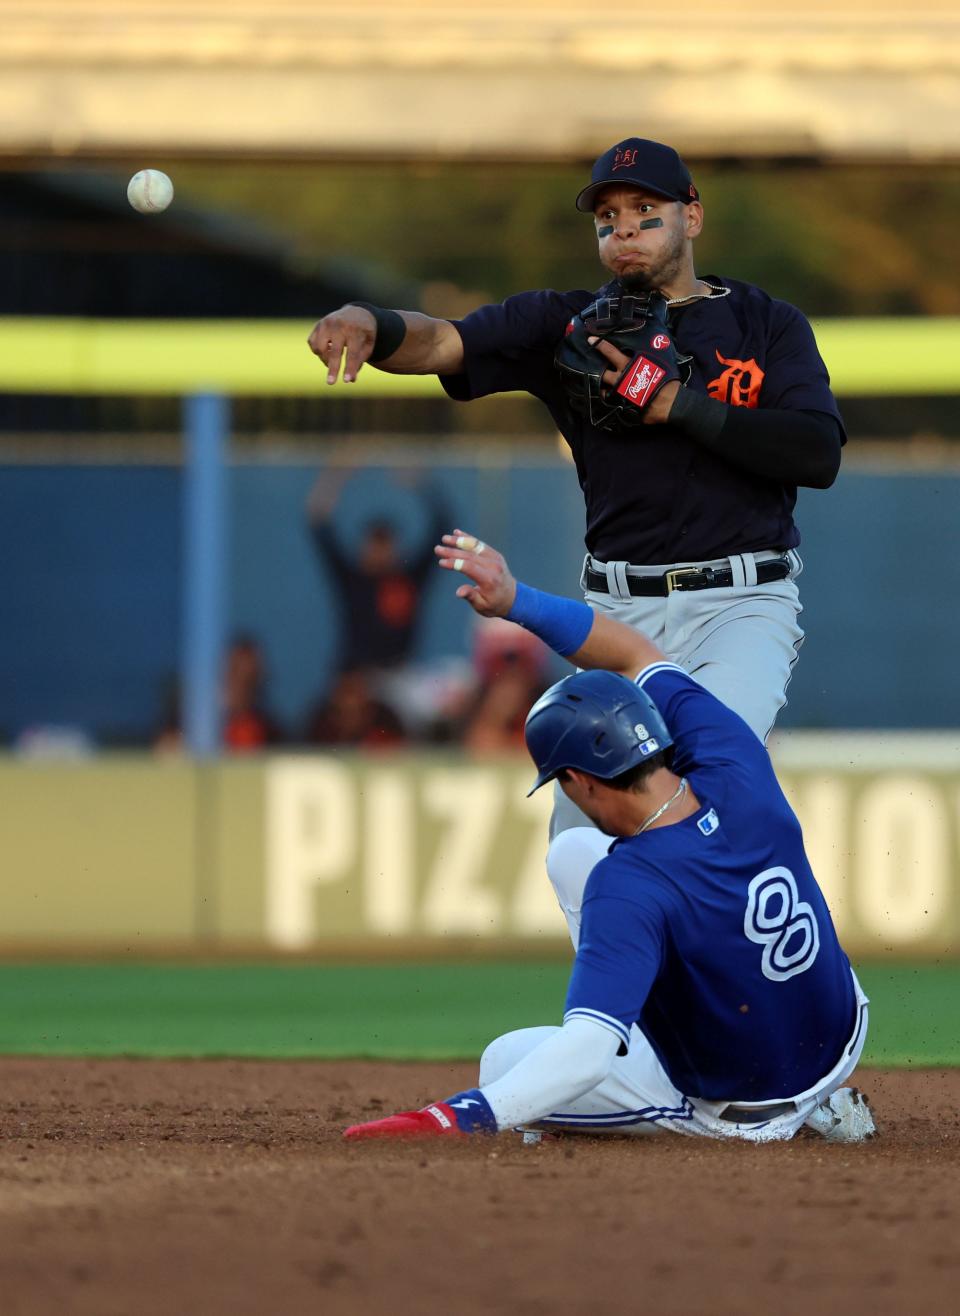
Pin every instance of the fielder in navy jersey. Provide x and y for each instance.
(694, 407)
(662, 496)
(709, 994)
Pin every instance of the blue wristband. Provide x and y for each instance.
(472, 1112)
(564, 624)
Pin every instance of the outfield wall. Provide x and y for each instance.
(299, 853)
(92, 595)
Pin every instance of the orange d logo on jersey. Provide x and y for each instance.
(738, 385)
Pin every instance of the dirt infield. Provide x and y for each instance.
(133, 1188)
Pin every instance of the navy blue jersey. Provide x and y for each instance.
(655, 495)
(711, 934)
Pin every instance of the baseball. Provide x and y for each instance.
(149, 191)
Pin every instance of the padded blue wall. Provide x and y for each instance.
(89, 596)
(89, 599)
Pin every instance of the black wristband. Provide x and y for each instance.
(701, 417)
(391, 330)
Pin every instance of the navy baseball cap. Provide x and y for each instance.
(639, 163)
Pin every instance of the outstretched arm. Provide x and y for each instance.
(400, 342)
(586, 638)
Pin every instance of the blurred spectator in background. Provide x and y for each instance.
(379, 587)
(511, 670)
(352, 714)
(247, 723)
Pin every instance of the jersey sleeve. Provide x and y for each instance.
(620, 954)
(570, 1062)
(509, 347)
(796, 377)
(706, 733)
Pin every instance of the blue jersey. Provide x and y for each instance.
(660, 496)
(711, 934)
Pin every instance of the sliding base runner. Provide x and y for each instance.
(709, 995)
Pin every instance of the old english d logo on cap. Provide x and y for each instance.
(638, 162)
(624, 159)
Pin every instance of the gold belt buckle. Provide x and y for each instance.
(672, 577)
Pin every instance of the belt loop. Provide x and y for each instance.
(587, 562)
(749, 568)
(738, 571)
(617, 585)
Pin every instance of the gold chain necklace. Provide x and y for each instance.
(677, 795)
(714, 291)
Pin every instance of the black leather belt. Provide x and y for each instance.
(687, 578)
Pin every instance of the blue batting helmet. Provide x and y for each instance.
(596, 722)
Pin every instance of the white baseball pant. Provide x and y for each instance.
(637, 1097)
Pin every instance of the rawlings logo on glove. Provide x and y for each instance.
(460, 1115)
(655, 365)
(640, 381)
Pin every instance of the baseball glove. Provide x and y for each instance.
(637, 326)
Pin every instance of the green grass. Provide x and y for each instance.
(402, 1011)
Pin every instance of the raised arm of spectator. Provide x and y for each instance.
(437, 512)
(321, 504)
